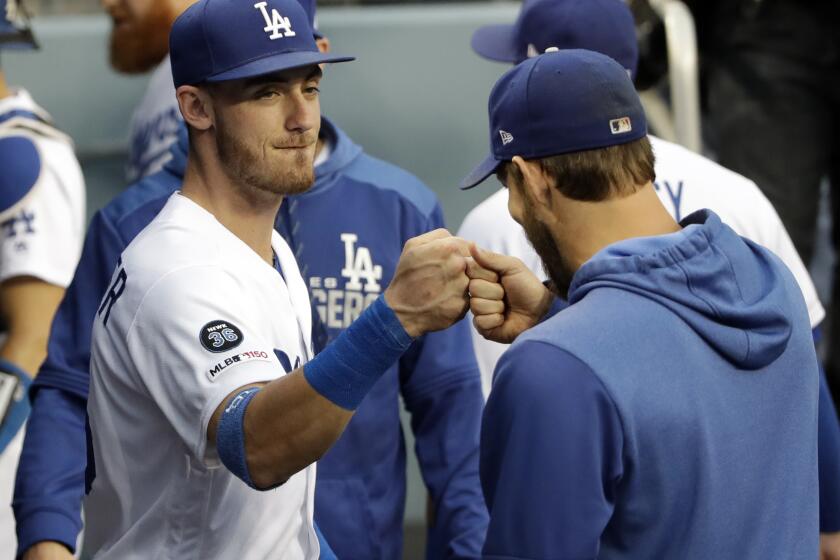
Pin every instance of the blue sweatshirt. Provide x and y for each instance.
(669, 412)
(359, 207)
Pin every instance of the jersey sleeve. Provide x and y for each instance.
(193, 341)
(551, 456)
(775, 237)
(43, 238)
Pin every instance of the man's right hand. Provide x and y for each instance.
(48, 550)
(514, 304)
(429, 288)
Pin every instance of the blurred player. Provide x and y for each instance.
(139, 43)
(253, 112)
(347, 259)
(671, 410)
(40, 242)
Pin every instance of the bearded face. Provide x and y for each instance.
(140, 34)
(522, 209)
(278, 165)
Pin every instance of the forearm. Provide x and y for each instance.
(289, 426)
(28, 306)
(265, 436)
(25, 348)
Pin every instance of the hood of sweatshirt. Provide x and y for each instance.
(724, 287)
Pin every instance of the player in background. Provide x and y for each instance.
(139, 43)
(347, 259)
(685, 182)
(670, 411)
(40, 242)
(207, 386)
(347, 233)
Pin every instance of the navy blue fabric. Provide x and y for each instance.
(227, 40)
(21, 165)
(18, 408)
(688, 393)
(360, 495)
(557, 103)
(829, 450)
(604, 26)
(48, 494)
(551, 448)
(230, 435)
(327, 552)
(344, 372)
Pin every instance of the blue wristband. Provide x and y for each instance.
(346, 370)
(230, 436)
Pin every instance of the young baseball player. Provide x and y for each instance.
(41, 226)
(685, 182)
(671, 410)
(205, 263)
(139, 43)
(347, 258)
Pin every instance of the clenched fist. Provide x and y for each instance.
(506, 307)
(429, 288)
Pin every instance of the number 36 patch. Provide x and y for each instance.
(220, 336)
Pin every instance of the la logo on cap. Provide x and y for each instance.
(275, 22)
(507, 137)
(620, 126)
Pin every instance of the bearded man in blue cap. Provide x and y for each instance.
(670, 411)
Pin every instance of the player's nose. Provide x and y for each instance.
(304, 114)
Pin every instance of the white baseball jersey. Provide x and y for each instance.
(154, 125)
(192, 314)
(43, 236)
(40, 237)
(685, 182)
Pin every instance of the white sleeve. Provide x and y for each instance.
(775, 237)
(44, 237)
(194, 340)
(491, 226)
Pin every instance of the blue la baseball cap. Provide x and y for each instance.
(220, 40)
(557, 103)
(15, 32)
(604, 26)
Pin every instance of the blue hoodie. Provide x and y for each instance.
(361, 482)
(669, 412)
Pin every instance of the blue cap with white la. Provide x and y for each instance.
(557, 103)
(220, 40)
(604, 26)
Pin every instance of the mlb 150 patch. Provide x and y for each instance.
(220, 336)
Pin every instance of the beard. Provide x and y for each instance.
(141, 44)
(556, 267)
(244, 164)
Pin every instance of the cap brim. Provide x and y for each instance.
(277, 63)
(496, 42)
(481, 172)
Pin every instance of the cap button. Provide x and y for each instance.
(552, 49)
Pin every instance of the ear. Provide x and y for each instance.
(323, 44)
(534, 182)
(196, 107)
